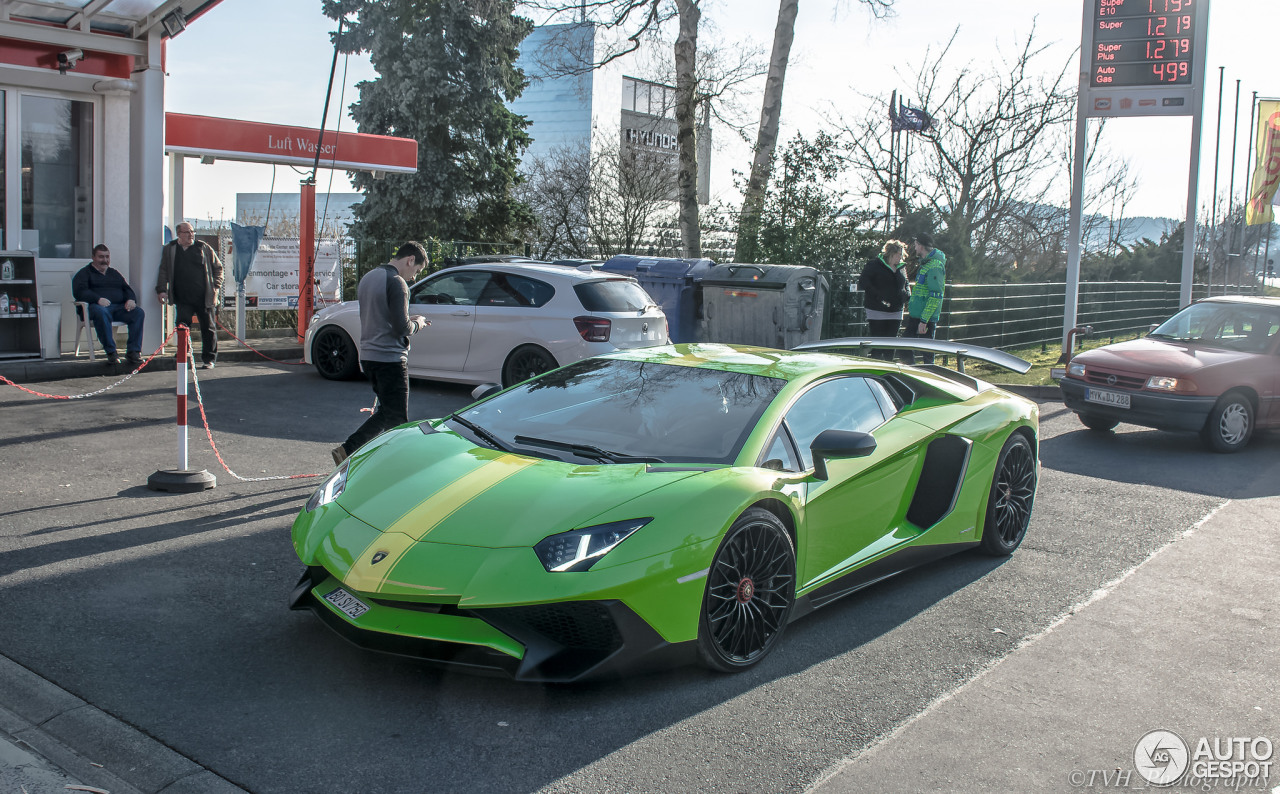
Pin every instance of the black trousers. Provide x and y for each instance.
(883, 328)
(207, 318)
(912, 331)
(390, 381)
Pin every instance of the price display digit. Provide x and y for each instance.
(1143, 43)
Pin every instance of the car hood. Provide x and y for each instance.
(441, 487)
(1158, 357)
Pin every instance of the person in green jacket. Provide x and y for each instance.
(925, 306)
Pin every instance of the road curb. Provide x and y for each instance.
(68, 367)
(91, 745)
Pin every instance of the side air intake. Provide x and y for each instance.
(939, 485)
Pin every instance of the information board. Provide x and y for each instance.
(1145, 57)
(273, 281)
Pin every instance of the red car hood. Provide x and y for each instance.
(1158, 357)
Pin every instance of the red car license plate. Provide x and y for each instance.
(1114, 399)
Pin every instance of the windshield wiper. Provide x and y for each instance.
(587, 451)
(481, 432)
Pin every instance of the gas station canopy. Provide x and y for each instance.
(125, 21)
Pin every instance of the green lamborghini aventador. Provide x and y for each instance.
(663, 505)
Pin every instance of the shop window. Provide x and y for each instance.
(4, 172)
(57, 177)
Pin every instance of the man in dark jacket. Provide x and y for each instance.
(884, 287)
(385, 328)
(191, 280)
(110, 300)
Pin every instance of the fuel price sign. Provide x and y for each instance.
(1145, 57)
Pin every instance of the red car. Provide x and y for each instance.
(1213, 367)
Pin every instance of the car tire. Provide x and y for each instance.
(1103, 424)
(1230, 423)
(334, 354)
(1013, 491)
(750, 591)
(525, 362)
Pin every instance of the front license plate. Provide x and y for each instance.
(348, 604)
(1103, 397)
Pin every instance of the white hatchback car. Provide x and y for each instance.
(501, 322)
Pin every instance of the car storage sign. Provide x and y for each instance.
(273, 282)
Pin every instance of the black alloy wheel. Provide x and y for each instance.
(1103, 424)
(1230, 423)
(1013, 490)
(334, 354)
(750, 591)
(526, 361)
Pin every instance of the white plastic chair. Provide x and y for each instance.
(85, 326)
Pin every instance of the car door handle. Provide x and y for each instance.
(461, 313)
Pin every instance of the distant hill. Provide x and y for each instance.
(1142, 228)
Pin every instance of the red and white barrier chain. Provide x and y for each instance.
(256, 350)
(199, 401)
(103, 390)
(195, 379)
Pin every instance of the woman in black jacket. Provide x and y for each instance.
(884, 286)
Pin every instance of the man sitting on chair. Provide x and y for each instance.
(110, 300)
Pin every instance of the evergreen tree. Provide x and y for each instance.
(446, 68)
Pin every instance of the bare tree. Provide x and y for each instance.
(557, 187)
(637, 20)
(770, 118)
(615, 200)
(990, 150)
(630, 191)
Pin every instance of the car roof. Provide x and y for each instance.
(541, 270)
(1256, 300)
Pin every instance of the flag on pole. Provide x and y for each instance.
(911, 119)
(1266, 174)
(914, 119)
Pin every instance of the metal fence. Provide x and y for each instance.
(1023, 315)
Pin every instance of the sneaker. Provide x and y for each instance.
(339, 454)
(134, 358)
(207, 365)
(113, 358)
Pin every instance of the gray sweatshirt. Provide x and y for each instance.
(385, 326)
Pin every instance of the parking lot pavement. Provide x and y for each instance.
(51, 740)
(1185, 642)
(165, 654)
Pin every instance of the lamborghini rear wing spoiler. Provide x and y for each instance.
(861, 345)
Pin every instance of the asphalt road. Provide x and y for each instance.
(168, 611)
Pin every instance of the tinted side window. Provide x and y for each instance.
(506, 289)
(840, 404)
(612, 295)
(461, 288)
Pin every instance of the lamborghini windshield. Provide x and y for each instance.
(609, 411)
(1246, 327)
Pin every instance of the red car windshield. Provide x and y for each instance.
(1245, 327)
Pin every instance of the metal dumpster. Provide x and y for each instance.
(672, 283)
(767, 305)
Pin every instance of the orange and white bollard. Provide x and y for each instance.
(182, 479)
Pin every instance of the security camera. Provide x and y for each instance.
(67, 59)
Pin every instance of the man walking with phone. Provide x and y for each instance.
(385, 328)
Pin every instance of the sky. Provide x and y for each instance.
(270, 61)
